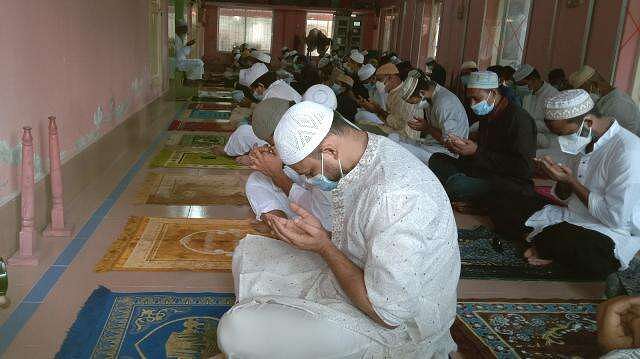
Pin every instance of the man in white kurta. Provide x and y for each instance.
(392, 254)
(598, 232)
(534, 103)
(194, 68)
(610, 101)
(444, 116)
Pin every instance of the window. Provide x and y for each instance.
(434, 31)
(504, 33)
(238, 26)
(321, 21)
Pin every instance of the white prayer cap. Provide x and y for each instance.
(483, 80)
(324, 62)
(261, 56)
(366, 72)
(242, 77)
(469, 65)
(258, 69)
(301, 130)
(430, 59)
(357, 57)
(365, 52)
(568, 104)
(581, 76)
(321, 94)
(395, 60)
(522, 72)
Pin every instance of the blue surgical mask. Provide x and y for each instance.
(370, 86)
(523, 90)
(258, 96)
(321, 181)
(464, 79)
(482, 108)
(337, 89)
(237, 95)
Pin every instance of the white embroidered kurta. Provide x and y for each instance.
(400, 112)
(391, 218)
(242, 140)
(620, 106)
(193, 67)
(379, 97)
(281, 89)
(534, 104)
(611, 172)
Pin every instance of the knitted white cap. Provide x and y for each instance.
(522, 72)
(321, 94)
(357, 57)
(261, 56)
(483, 80)
(258, 69)
(301, 130)
(366, 72)
(568, 104)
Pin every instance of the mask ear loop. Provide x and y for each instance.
(340, 165)
(584, 120)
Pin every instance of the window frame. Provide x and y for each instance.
(306, 27)
(244, 9)
(504, 11)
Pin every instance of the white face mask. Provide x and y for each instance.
(423, 104)
(380, 87)
(575, 143)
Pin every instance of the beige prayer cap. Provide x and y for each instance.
(486, 80)
(568, 104)
(581, 76)
(408, 87)
(346, 79)
(387, 69)
(522, 72)
(469, 65)
(266, 115)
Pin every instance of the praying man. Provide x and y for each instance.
(382, 284)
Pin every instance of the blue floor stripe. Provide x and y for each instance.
(21, 315)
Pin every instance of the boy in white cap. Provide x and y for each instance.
(609, 100)
(265, 84)
(321, 94)
(354, 63)
(194, 68)
(502, 158)
(538, 92)
(598, 232)
(381, 285)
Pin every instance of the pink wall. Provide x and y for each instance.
(86, 62)
(629, 48)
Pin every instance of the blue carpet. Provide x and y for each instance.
(146, 325)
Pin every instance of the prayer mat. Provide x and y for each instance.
(198, 140)
(372, 128)
(211, 106)
(506, 328)
(483, 258)
(174, 244)
(146, 325)
(214, 94)
(169, 189)
(210, 114)
(211, 99)
(186, 157)
(179, 125)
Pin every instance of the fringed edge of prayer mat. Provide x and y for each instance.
(468, 342)
(131, 229)
(151, 182)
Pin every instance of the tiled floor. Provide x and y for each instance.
(44, 331)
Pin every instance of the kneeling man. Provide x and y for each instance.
(381, 285)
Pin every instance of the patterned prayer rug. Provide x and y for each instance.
(201, 125)
(198, 140)
(210, 114)
(193, 157)
(162, 244)
(211, 99)
(170, 189)
(523, 329)
(214, 94)
(483, 259)
(146, 325)
(211, 106)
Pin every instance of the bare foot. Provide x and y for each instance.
(244, 160)
(218, 150)
(531, 255)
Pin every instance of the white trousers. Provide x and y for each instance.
(271, 330)
(241, 141)
(194, 68)
(422, 151)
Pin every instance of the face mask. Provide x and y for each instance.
(370, 86)
(337, 89)
(237, 96)
(594, 96)
(258, 96)
(380, 87)
(236, 57)
(482, 108)
(574, 143)
(464, 79)
(523, 90)
(321, 181)
(424, 103)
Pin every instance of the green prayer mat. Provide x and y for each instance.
(193, 158)
(208, 140)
